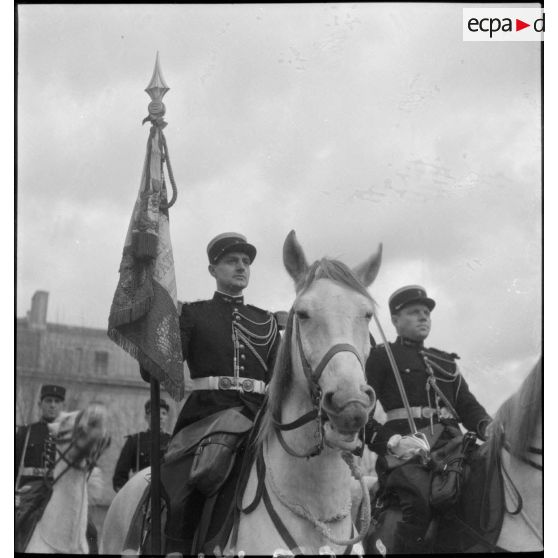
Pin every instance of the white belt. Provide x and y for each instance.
(247, 385)
(33, 471)
(416, 412)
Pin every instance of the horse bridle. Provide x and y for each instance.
(313, 378)
(90, 460)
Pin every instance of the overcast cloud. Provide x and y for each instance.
(353, 124)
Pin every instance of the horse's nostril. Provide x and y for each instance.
(369, 391)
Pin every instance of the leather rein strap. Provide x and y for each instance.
(313, 378)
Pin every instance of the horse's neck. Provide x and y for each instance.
(522, 531)
(322, 482)
(526, 479)
(64, 520)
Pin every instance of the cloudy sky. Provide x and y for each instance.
(353, 124)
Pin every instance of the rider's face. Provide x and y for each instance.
(232, 273)
(50, 407)
(412, 322)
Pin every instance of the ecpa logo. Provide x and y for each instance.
(503, 24)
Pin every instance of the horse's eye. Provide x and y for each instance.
(369, 315)
(302, 315)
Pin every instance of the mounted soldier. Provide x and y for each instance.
(35, 454)
(230, 348)
(136, 452)
(427, 392)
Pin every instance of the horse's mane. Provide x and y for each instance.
(282, 372)
(517, 418)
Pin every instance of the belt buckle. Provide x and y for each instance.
(248, 385)
(427, 412)
(225, 382)
(37, 471)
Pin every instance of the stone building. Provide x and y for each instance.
(92, 368)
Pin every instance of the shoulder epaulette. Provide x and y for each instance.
(259, 309)
(196, 302)
(445, 354)
(193, 304)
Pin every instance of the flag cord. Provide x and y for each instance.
(166, 160)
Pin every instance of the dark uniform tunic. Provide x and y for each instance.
(223, 337)
(136, 455)
(408, 485)
(39, 454)
(413, 372)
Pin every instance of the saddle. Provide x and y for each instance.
(31, 508)
(212, 446)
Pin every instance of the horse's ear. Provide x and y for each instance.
(366, 272)
(294, 258)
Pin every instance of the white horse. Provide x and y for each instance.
(517, 435)
(80, 437)
(506, 471)
(317, 403)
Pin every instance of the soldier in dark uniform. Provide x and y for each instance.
(34, 454)
(136, 453)
(230, 348)
(437, 393)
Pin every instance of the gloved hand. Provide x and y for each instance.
(405, 447)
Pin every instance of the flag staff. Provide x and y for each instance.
(156, 89)
(143, 318)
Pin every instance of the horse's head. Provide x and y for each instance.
(82, 436)
(329, 338)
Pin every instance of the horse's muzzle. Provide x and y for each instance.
(349, 413)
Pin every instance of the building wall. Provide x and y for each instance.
(92, 368)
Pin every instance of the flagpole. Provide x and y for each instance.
(155, 467)
(156, 89)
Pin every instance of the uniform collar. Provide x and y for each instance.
(406, 342)
(223, 297)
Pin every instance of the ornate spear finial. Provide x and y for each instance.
(156, 89)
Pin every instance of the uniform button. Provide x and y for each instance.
(241, 346)
(243, 357)
(242, 368)
(407, 370)
(237, 317)
(235, 309)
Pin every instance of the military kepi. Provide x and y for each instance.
(411, 294)
(50, 390)
(229, 242)
(162, 405)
